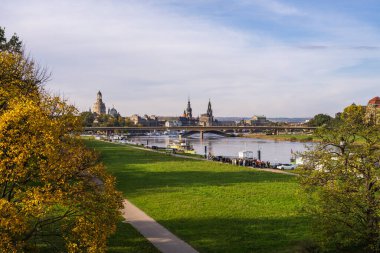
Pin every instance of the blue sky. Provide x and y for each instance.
(272, 57)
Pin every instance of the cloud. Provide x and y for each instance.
(276, 7)
(148, 58)
(366, 47)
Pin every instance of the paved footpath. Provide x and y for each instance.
(159, 236)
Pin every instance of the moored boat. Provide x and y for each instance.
(182, 146)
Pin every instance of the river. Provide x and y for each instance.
(271, 150)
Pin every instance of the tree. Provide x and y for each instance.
(128, 122)
(14, 45)
(54, 192)
(87, 119)
(340, 177)
(320, 120)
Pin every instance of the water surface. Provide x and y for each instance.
(271, 150)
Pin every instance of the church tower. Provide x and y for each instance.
(189, 111)
(99, 107)
(207, 119)
(209, 110)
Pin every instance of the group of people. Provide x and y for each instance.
(241, 162)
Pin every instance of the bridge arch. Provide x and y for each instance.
(189, 133)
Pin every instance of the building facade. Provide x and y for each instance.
(373, 110)
(257, 121)
(147, 121)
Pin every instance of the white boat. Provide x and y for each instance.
(182, 146)
(245, 154)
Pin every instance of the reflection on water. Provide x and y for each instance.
(273, 151)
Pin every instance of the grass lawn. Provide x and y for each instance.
(214, 207)
(127, 239)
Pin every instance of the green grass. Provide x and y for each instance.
(127, 239)
(214, 207)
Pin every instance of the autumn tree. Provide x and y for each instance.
(320, 120)
(54, 192)
(340, 177)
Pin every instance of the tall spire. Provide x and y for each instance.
(189, 111)
(209, 109)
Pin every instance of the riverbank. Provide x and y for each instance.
(212, 206)
(285, 137)
(212, 159)
(272, 151)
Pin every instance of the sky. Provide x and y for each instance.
(279, 58)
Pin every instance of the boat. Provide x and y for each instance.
(182, 146)
(245, 154)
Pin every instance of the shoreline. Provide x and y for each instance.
(291, 138)
(196, 157)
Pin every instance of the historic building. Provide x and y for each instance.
(147, 121)
(374, 102)
(99, 107)
(187, 118)
(207, 119)
(373, 110)
(113, 112)
(188, 113)
(257, 121)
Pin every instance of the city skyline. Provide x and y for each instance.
(276, 58)
(101, 108)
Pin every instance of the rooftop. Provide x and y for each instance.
(375, 101)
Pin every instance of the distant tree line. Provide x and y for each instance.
(91, 119)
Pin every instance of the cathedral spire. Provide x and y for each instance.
(209, 109)
(189, 111)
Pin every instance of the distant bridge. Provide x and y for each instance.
(202, 129)
(189, 133)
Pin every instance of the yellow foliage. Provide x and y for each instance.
(51, 186)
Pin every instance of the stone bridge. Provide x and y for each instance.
(222, 130)
(221, 133)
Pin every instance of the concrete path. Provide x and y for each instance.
(159, 236)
